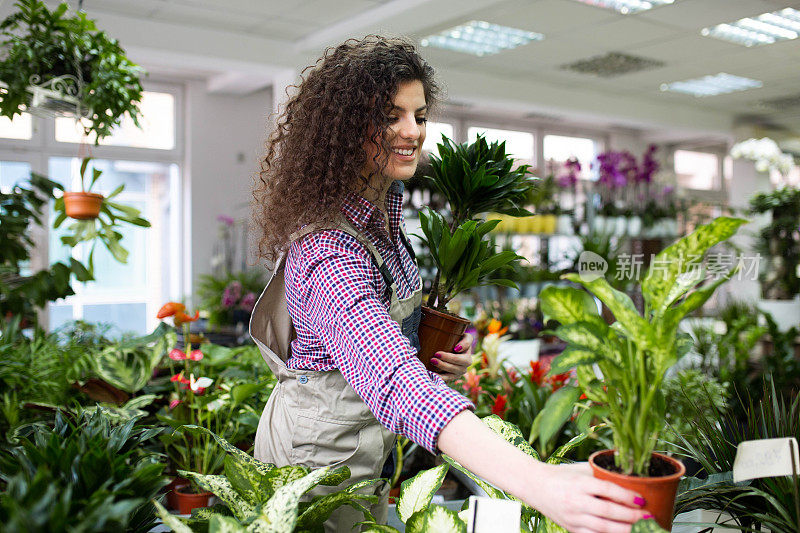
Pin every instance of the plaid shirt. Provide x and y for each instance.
(335, 298)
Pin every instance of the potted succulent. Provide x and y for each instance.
(58, 63)
(474, 178)
(633, 355)
(779, 247)
(97, 217)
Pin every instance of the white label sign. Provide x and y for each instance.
(766, 458)
(487, 515)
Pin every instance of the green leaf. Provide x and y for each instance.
(242, 392)
(566, 304)
(557, 457)
(374, 527)
(490, 490)
(223, 490)
(224, 524)
(322, 506)
(571, 357)
(279, 515)
(435, 518)
(510, 433)
(250, 484)
(416, 493)
(556, 412)
(170, 520)
(647, 526)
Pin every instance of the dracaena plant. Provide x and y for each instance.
(463, 256)
(257, 496)
(478, 178)
(634, 353)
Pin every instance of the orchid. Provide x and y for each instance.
(765, 153)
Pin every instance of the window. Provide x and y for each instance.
(157, 126)
(519, 144)
(697, 170)
(560, 148)
(19, 128)
(126, 295)
(148, 162)
(433, 134)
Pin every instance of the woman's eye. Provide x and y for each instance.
(422, 120)
(392, 120)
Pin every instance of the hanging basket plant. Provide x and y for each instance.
(56, 63)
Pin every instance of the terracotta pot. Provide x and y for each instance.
(82, 205)
(394, 493)
(658, 492)
(438, 332)
(188, 501)
(169, 490)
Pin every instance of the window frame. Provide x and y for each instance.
(717, 195)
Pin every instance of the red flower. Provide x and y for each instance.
(583, 397)
(174, 403)
(179, 377)
(512, 375)
(472, 384)
(559, 380)
(484, 360)
(178, 313)
(178, 355)
(538, 372)
(182, 317)
(499, 407)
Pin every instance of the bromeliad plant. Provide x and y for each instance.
(634, 353)
(257, 496)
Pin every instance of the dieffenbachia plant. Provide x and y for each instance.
(260, 497)
(464, 257)
(634, 352)
(415, 510)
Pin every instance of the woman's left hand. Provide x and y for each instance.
(452, 366)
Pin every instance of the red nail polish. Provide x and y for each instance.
(434, 361)
(647, 516)
(457, 348)
(639, 501)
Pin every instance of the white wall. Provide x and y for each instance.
(225, 137)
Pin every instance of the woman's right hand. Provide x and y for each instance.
(577, 501)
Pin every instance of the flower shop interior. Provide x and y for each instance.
(622, 178)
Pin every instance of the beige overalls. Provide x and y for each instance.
(316, 419)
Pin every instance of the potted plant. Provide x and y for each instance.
(633, 355)
(101, 223)
(779, 248)
(58, 63)
(474, 178)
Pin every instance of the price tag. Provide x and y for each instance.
(487, 515)
(766, 458)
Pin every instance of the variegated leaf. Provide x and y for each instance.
(435, 518)
(336, 477)
(361, 484)
(170, 520)
(416, 493)
(279, 514)
(510, 433)
(223, 489)
(322, 506)
(557, 457)
(278, 477)
(571, 357)
(249, 483)
(567, 304)
(556, 411)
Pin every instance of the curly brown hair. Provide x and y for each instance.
(316, 154)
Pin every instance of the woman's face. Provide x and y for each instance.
(405, 134)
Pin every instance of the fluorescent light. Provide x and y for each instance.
(766, 28)
(481, 38)
(627, 7)
(712, 85)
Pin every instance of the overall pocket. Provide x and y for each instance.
(317, 443)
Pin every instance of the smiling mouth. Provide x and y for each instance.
(404, 151)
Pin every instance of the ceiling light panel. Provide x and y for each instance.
(766, 28)
(627, 7)
(481, 38)
(722, 83)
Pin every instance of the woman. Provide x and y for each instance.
(329, 207)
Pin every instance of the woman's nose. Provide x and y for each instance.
(409, 129)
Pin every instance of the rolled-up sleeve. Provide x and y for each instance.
(368, 347)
